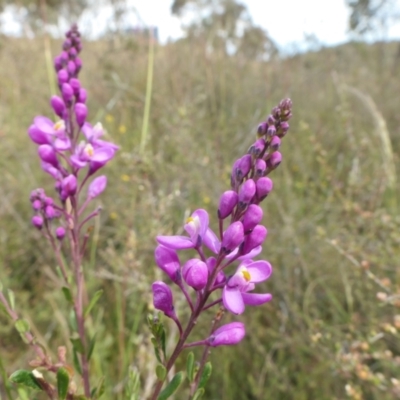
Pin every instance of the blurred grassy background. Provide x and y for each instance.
(333, 216)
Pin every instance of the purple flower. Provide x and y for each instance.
(227, 203)
(195, 273)
(69, 186)
(233, 236)
(37, 221)
(196, 226)
(60, 233)
(254, 239)
(227, 335)
(97, 186)
(45, 131)
(263, 187)
(162, 298)
(252, 217)
(168, 261)
(235, 293)
(247, 192)
(81, 112)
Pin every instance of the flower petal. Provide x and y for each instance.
(203, 217)
(44, 124)
(211, 241)
(259, 270)
(256, 299)
(175, 242)
(233, 300)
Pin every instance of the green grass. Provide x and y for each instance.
(325, 328)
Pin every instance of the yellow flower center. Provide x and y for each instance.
(246, 275)
(59, 125)
(89, 151)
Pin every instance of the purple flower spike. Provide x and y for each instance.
(162, 298)
(235, 293)
(60, 233)
(37, 221)
(227, 335)
(195, 273)
(233, 237)
(68, 187)
(97, 186)
(81, 112)
(247, 192)
(58, 105)
(254, 239)
(48, 155)
(252, 217)
(168, 261)
(263, 187)
(227, 203)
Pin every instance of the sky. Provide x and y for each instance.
(288, 22)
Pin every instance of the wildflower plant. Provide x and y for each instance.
(71, 151)
(221, 270)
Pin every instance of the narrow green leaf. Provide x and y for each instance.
(156, 349)
(91, 346)
(198, 394)
(163, 340)
(77, 344)
(161, 372)
(93, 302)
(205, 375)
(11, 298)
(22, 326)
(62, 383)
(77, 364)
(67, 295)
(98, 391)
(190, 367)
(25, 377)
(172, 387)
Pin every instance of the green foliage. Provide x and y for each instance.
(62, 383)
(25, 378)
(171, 387)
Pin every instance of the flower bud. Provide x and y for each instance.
(227, 335)
(283, 128)
(168, 260)
(81, 112)
(263, 187)
(233, 237)
(48, 155)
(271, 131)
(262, 129)
(252, 217)
(67, 92)
(275, 143)
(50, 212)
(275, 159)
(162, 298)
(82, 96)
(195, 273)
(260, 167)
(68, 187)
(58, 105)
(60, 233)
(227, 203)
(97, 186)
(58, 63)
(37, 221)
(71, 68)
(62, 76)
(37, 205)
(257, 147)
(255, 238)
(78, 64)
(247, 192)
(75, 84)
